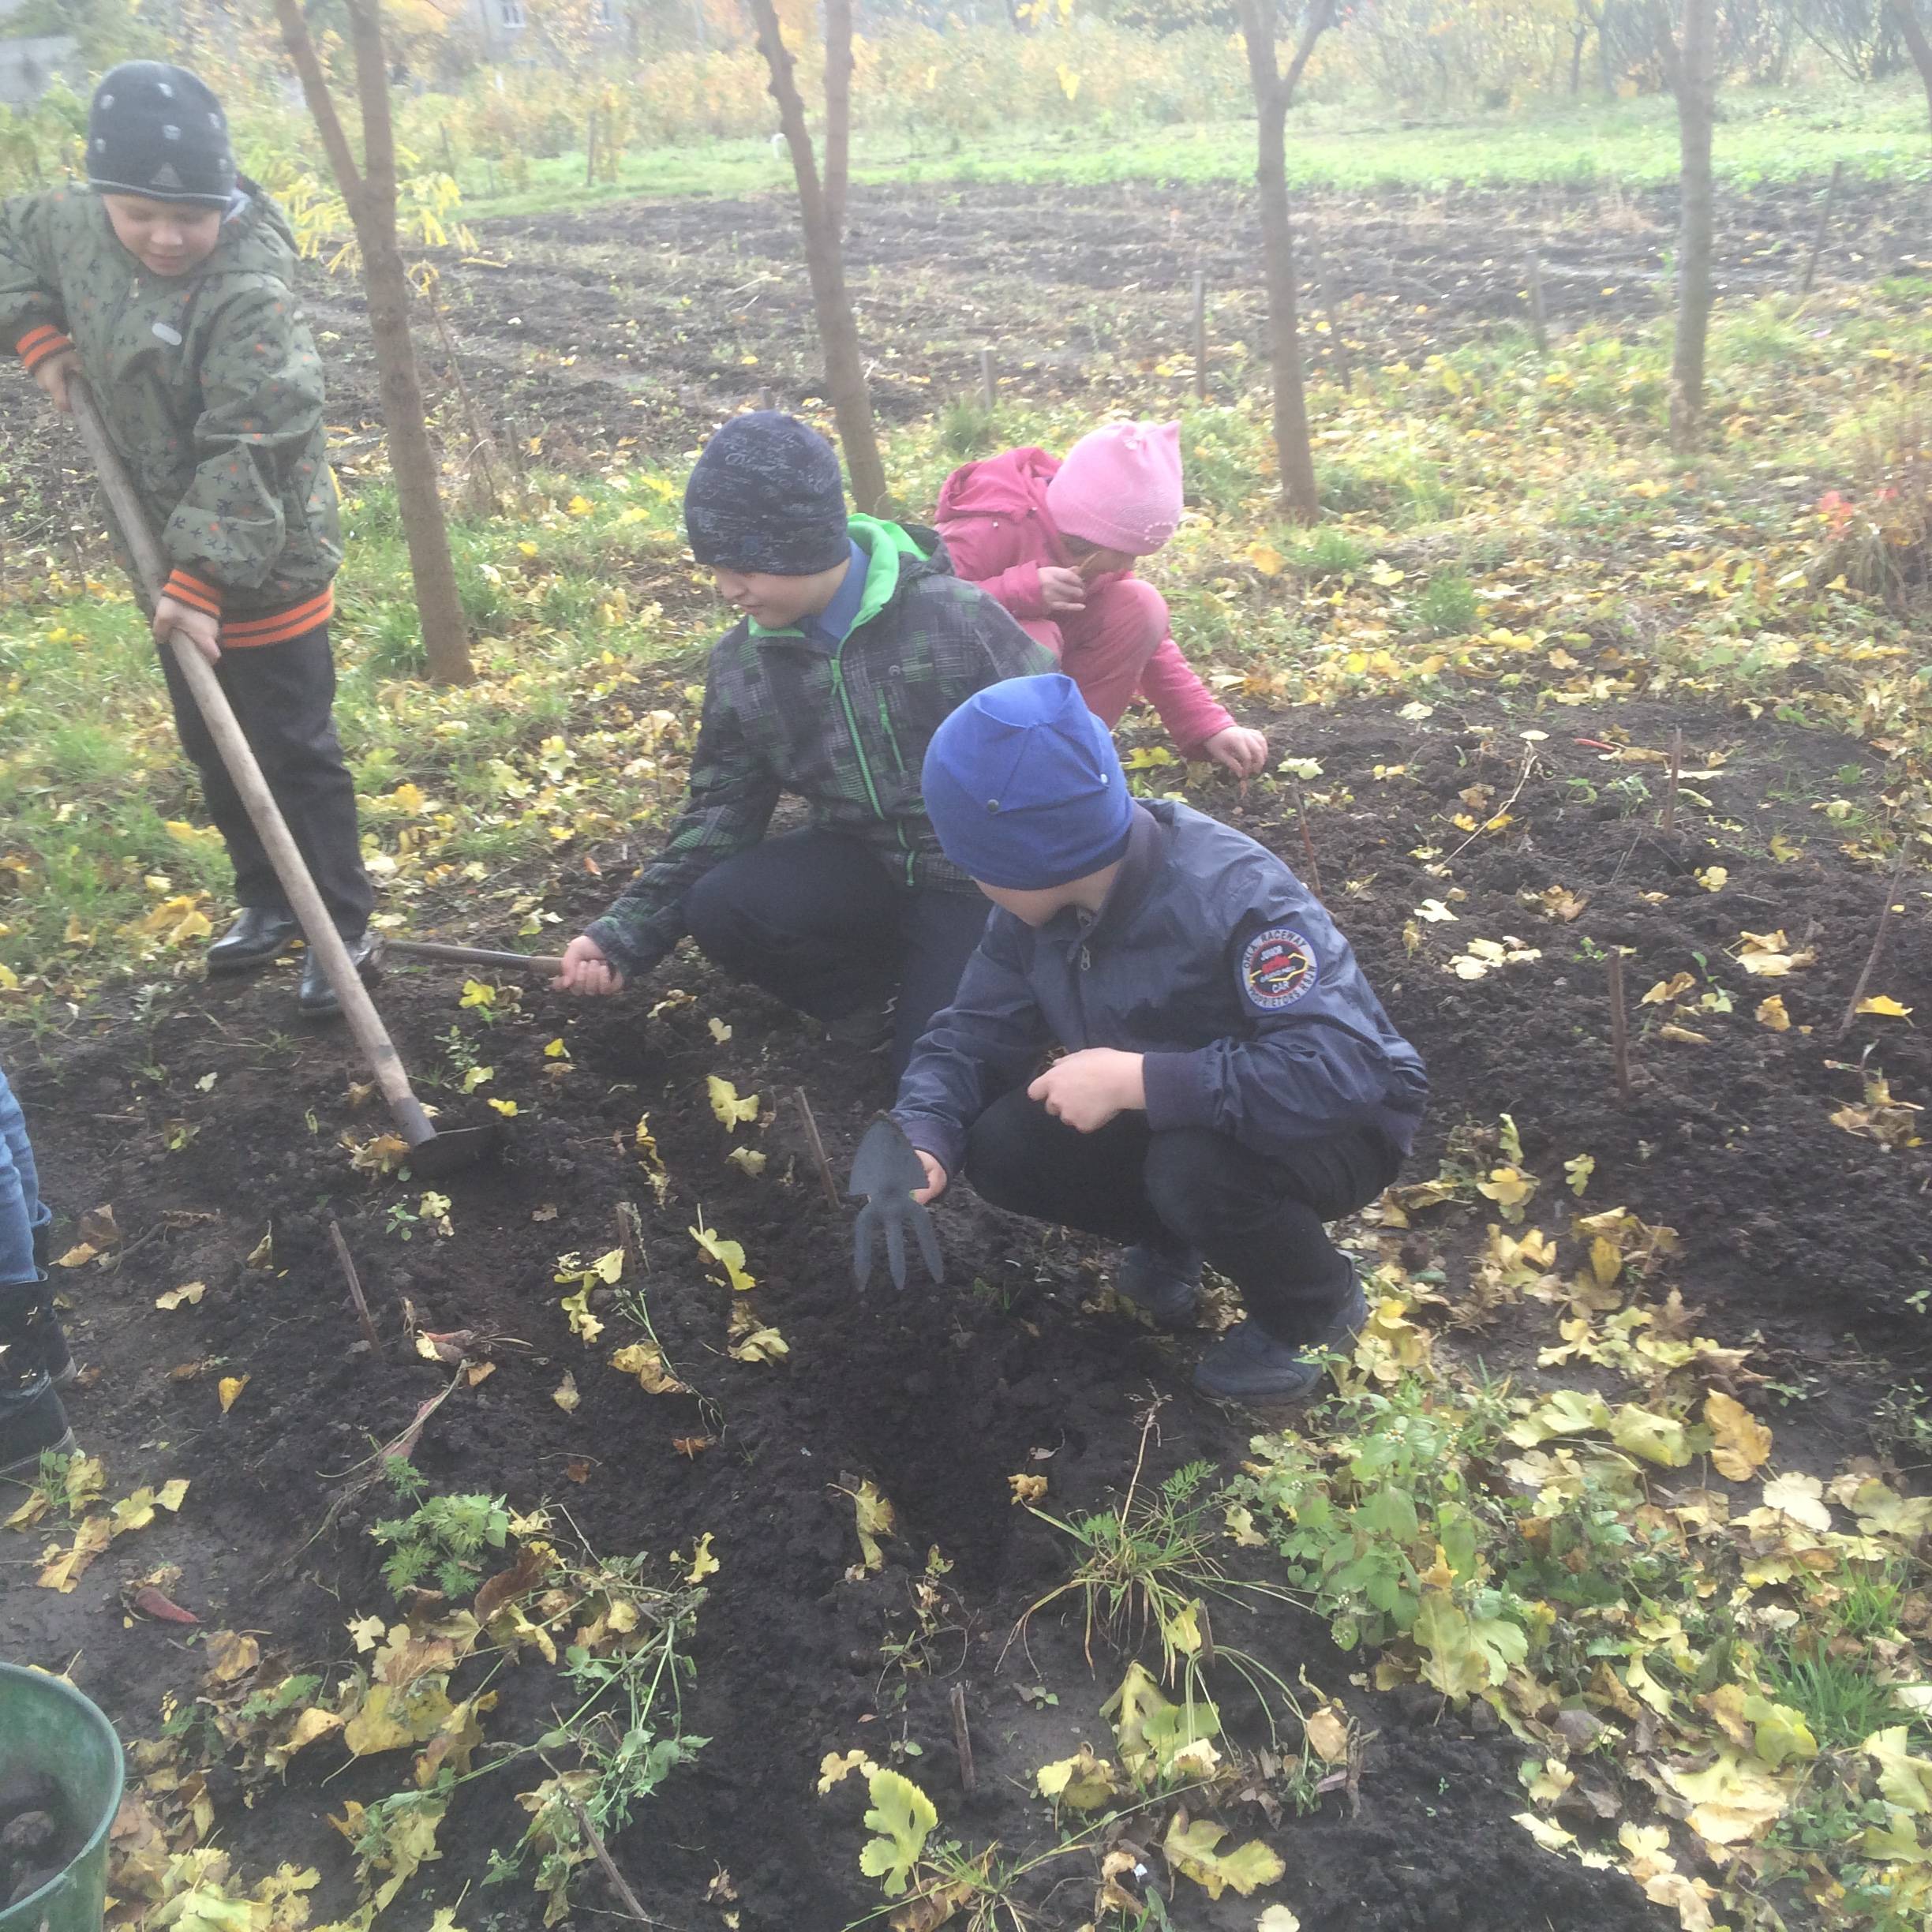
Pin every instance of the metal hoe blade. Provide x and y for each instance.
(887, 1172)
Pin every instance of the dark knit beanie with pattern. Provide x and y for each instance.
(158, 132)
(766, 496)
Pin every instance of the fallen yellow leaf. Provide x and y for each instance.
(229, 1388)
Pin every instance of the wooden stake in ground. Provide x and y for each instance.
(590, 150)
(369, 191)
(1619, 1027)
(1824, 226)
(821, 213)
(1200, 334)
(962, 1739)
(818, 1147)
(1676, 776)
(355, 1287)
(1307, 845)
(1274, 93)
(1539, 312)
(1878, 940)
(989, 382)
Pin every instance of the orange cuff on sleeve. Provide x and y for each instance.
(184, 589)
(39, 342)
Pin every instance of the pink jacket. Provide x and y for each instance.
(993, 516)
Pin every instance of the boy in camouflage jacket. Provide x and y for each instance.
(857, 642)
(166, 283)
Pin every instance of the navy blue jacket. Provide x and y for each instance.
(1211, 958)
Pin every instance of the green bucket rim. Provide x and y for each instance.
(90, 1713)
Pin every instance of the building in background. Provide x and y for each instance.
(30, 63)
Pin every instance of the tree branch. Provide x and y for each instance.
(1667, 50)
(782, 87)
(1319, 20)
(1912, 28)
(838, 80)
(1258, 22)
(315, 87)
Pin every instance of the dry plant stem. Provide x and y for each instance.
(1878, 940)
(1308, 847)
(1529, 766)
(1824, 227)
(601, 1851)
(962, 1739)
(1619, 1027)
(817, 1148)
(1676, 774)
(481, 442)
(355, 1287)
(631, 1233)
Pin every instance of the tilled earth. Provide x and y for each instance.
(638, 325)
(1797, 1236)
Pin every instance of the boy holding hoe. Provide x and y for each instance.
(1229, 1080)
(856, 640)
(166, 283)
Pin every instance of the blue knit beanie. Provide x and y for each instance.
(1024, 787)
(766, 496)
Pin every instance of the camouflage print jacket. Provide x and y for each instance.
(212, 392)
(844, 729)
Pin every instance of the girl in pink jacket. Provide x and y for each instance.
(1054, 542)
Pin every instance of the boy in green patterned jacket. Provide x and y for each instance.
(166, 283)
(857, 642)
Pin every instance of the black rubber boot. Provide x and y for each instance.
(317, 997)
(30, 1333)
(43, 1244)
(1248, 1364)
(31, 1422)
(258, 935)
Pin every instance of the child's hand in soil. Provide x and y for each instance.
(1237, 749)
(587, 971)
(54, 374)
(936, 1178)
(1060, 589)
(201, 630)
(1087, 1089)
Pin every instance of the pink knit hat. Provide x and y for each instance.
(1120, 487)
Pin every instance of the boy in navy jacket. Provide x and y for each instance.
(1229, 1082)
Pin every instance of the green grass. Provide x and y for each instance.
(1766, 134)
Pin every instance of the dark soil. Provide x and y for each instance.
(1792, 1229)
(638, 325)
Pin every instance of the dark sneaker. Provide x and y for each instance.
(868, 1031)
(317, 997)
(1163, 1281)
(31, 1422)
(258, 935)
(1248, 1364)
(30, 1333)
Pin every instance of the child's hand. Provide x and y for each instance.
(936, 1179)
(54, 374)
(587, 971)
(1237, 749)
(203, 630)
(1061, 589)
(1087, 1089)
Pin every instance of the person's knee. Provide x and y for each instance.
(1001, 1159)
(1131, 613)
(1191, 1175)
(714, 914)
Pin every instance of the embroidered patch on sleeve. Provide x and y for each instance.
(1277, 968)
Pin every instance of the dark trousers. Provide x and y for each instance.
(1257, 1220)
(816, 920)
(283, 695)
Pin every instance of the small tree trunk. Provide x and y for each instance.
(1917, 44)
(369, 192)
(1691, 66)
(824, 266)
(838, 78)
(1273, 92)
